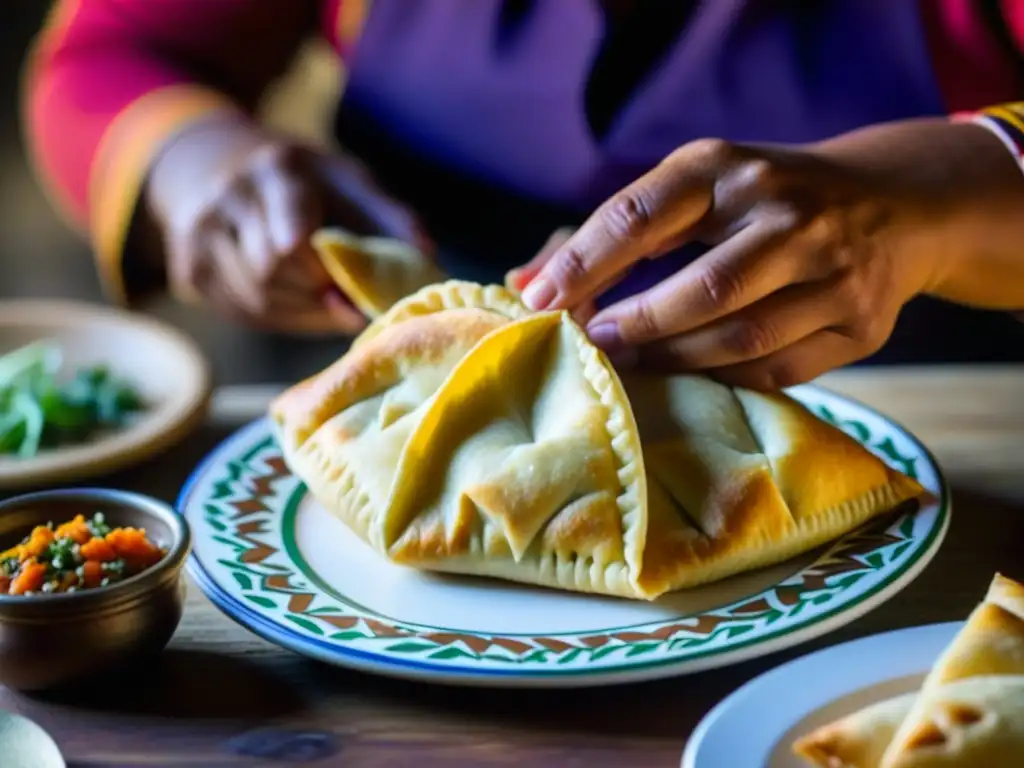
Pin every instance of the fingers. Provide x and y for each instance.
(798, 363)
(247, 248)
(236, 276)
(779, 321)
(293, 209)
(520, 277)
(645, 219)
(747, 267)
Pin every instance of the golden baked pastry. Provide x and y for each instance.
(976, 722)
(858, 740)
(463, 433)
(969, 711)
(373, 272)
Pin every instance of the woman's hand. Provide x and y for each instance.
(236, 208)
(814, 250)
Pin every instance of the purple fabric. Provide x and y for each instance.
(745, 70)
(433, 74)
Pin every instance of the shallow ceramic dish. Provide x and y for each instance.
(51, 639)
(164, 365)
(278, 563)
(755, 727)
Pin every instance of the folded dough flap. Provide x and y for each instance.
(857, 740)
(374, 272)
(526, 466)
(738, 480)
(343, 430)
(973, 723)
(443, 297)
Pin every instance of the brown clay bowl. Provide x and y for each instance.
(47, 640)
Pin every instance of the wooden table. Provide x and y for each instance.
(221, 695)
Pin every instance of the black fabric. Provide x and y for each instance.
(637, 37)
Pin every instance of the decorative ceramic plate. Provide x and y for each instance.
(164, 365)
(755, 726)
(275, 561)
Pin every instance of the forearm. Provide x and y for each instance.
(961, 197)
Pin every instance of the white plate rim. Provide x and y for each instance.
(887, 663)
(362, 660)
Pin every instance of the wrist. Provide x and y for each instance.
(957, 196)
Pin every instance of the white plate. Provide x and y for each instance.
(164, 365)
(757, 724)
(275, 561)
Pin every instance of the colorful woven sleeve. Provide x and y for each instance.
(109, 82)
(1007, 122)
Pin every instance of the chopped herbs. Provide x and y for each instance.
(98, 525)
(37, 411)
(75, 555)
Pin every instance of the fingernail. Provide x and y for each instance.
(525, 276)
(538, 295)
(606, 336)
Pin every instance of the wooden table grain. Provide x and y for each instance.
(220, 696)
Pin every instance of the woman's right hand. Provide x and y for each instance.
(236, 206)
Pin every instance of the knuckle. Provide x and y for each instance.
(825, 231)
(857, 301)
(712, 151)
(645, 319)
(569, 269)
(627, 215)
(750, 339)
(721, 288)
(760, 174)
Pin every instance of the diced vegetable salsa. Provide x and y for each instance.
(78, 554)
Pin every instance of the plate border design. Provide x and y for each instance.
(619, 654)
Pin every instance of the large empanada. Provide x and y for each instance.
(373, 272)
(462, 433)
(895, 734)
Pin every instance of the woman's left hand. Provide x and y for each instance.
(813, 255)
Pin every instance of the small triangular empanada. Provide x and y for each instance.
(991, 643)
(983, 665)
(977, 722)
(463, 433)
(373, 272)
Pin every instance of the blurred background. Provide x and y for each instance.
(41, 257)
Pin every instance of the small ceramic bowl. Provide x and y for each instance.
(48, 640)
